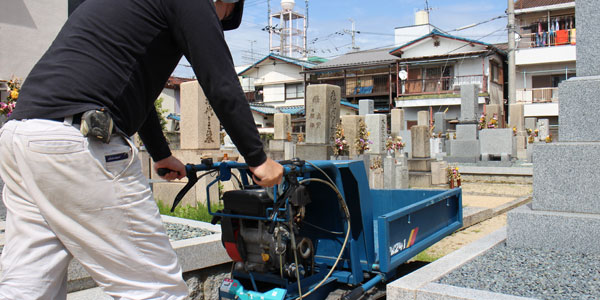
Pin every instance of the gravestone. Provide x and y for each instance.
(351, 127)
(565, 207)
(283, 126)
(377, 128)
(423, 118)
(543, 126)
(440, 125)
(465, 148)
(420, 141)
(469, 104)
(322, 115)
(366, 107)
(531, 123)
(200, 128)
(398, 123)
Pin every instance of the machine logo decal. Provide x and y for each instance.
(399, 246)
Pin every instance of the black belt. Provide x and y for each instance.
(76, 119)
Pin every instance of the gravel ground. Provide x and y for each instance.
(531, 273)
(178, 232)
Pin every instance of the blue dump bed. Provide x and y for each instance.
(388, 226)
(407, 222)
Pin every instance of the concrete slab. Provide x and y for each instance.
(421, 283)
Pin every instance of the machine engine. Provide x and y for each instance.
(267, 246)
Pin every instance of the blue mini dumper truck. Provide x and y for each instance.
(322, 229)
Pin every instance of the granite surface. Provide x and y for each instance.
(566, 176)
(579, 107)
(497, 141)
(588, 37)
(566, 232)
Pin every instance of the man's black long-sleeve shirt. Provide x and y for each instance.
(118, 54)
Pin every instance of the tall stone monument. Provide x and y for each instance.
(465, 149)
(322, 116)
(565, 212)
(350, 124)
(377, 128)
(200, 128)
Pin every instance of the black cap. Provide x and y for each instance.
(234, 20)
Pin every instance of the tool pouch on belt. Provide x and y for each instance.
(97, 124)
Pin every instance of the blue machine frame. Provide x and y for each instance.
(388, 227)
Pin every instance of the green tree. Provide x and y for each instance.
(160, 111)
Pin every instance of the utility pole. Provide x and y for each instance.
(512, 94)
(353, 32)
(270, 26)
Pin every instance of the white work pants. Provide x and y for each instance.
(68, 196)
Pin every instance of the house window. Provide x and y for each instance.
(294, 90)
(497, 74)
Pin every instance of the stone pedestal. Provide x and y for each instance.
(402, 177)
(497, 143)
(420, 141)
(465, 149)
(289, 150)
(314, 151)
(366, 107)
(200, 127)
(439, 172)
(389, 169)
(376, 179)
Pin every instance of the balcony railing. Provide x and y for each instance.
(540, 95)
(441, 85)
(547, 39)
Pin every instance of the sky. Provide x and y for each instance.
(374, 19)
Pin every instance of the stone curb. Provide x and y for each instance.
(474, 215)
(477, 170)
(421, 283)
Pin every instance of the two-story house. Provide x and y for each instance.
(432, 68)
(545, 54)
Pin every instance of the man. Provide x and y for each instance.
(68, 195)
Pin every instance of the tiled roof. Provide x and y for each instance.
(293, 110)
(291, 60)
(359, 58)
(436, 32)
(174, 82)
(521, 4)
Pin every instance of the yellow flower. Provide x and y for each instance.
(14, 94)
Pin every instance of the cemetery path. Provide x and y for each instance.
(482, 195)
(464, 237)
